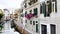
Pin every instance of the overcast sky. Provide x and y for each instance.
(10, 3)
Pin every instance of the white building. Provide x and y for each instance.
(45, 16)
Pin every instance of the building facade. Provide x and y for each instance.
(41, 16)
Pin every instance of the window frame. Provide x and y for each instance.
(30, 21)
(33, 22)
(54, 28)
(35, 11)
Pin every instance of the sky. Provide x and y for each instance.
(10, 4)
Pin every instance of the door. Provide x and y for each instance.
(53, 29)
(44, 29)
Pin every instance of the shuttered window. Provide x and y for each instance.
(55, 5)
(50, 6)
(25, 13)
(33, 22)
(41, 11)
(47, 9)
(30, 11)
(25, 21)
(25, 5)
(44, 9)
(35, 11)
(54, 2)
(37, 28)
(30, 22)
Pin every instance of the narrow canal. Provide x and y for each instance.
(7, 27)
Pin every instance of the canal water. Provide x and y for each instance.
(7, 28)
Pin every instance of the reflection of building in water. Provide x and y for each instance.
(7, 19)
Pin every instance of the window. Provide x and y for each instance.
(44, 9)
(41, 11)
(36, 0)
(48, 12)
(53, 29)
(22, 10)
(25, 21)
(32, 2)
(29, 3)
(22, 15)
(33, 22)
(25, 5)
(30, 11)
(37, 28)
(25, 0)
(30, 22)
(54, 5)
(21, 21)
(35, 11)
(47, 9)
(25, 13)
(53, 0)
(36, 21)
(44, 29)
(50, 6)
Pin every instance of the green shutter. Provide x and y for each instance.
(30, 11)
(44, 9)
(25, 5)
(25, 13)
(30, 22)
(40, 9)
(50, 6)
(55, 5)
(35, 11)
(37, 28)
(33, 22)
